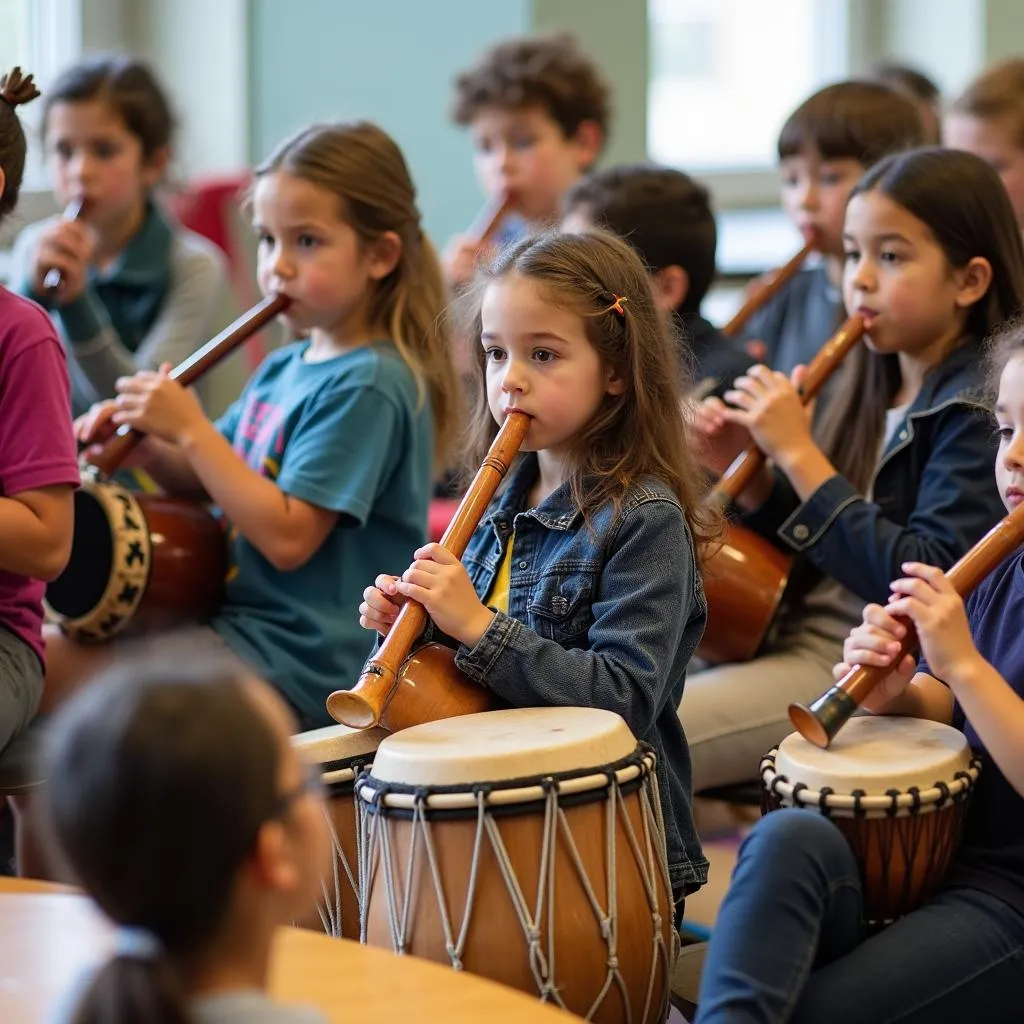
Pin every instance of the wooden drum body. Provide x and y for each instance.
(525, 845)
(342, 755)
(139, 562)
(897, 788)
(743, 581)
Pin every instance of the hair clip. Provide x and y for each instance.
(616, 306)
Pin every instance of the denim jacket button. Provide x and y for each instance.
(801, 532)
(522, 565)
(559, 605)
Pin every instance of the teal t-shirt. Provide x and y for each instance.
(349, 434)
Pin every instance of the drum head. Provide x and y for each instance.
(83, 583)
(875, 754)
(496, 746)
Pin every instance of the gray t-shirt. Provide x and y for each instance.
(795, 323)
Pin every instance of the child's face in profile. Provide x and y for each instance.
(995, 142)
(525, 152)
(1010, 417)
(814, 195)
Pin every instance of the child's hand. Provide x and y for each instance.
(95, 427)
(155, 404)
(460, 260)
(876, 642)
(717, 442)
(438, 580)
(928, 599)
(67, 246)
(381, 604)
(768, 404)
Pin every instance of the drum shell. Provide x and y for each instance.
(744, 580)
(166, 570)
(186, 583)
(902, 859)
(569, 934)
(342, 810)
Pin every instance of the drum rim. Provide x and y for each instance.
(89, 626)
(898, 804)
(506, 792)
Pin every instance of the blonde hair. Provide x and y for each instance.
(997, 94)
(641, 432)
(363, 166)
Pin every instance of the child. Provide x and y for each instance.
(179, 804)
(580, 586)
(324, 465)
(895, 471)
(38, 462)
(988, 119)
(537, 108)
(829, 141)
(919, 89)
(138, 290)
(666, 216)
(961, 956)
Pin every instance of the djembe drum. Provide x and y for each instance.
(897, 788)
(342, 755)
(525, 845)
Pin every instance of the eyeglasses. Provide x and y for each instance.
(311, 783)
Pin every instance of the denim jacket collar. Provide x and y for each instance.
(557, 511)
(955, 380)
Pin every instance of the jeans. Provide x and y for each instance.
(790, 943)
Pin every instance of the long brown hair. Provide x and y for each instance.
(640, 432)
(962, 202)
(363, 166)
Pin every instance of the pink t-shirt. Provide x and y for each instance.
(37, 444)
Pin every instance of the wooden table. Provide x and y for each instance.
(48, 935)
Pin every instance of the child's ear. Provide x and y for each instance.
(588, 140)
(384, 254)
(271, 863)
(3, 182)
(974, 280)
(614, 385)
(154, 169)
(671, 285)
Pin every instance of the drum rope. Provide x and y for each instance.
(541, 966)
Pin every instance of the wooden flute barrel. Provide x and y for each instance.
(398, 688)
(819, 722)
(745, 575)
(144, 562)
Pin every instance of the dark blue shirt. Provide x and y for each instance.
(991, 854)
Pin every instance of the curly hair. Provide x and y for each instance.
(548, 71)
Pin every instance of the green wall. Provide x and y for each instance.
(392, 61)
(389, 61)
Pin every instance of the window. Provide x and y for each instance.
(42, 37)
(725, 74)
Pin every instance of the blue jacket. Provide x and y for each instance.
(934, 492)
(606, 616)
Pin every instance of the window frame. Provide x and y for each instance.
(846, 34)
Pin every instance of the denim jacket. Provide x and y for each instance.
(606, 616)
(934, 492)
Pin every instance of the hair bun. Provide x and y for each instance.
(17, 88)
